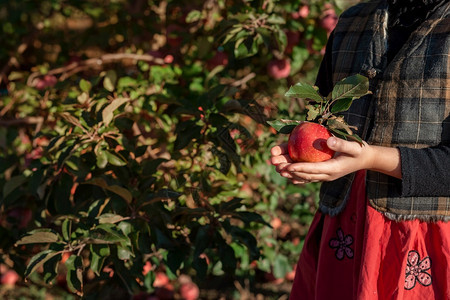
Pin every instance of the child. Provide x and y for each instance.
(381, 230)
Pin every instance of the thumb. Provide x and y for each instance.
(343, 146)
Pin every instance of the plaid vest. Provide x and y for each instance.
(410, 104)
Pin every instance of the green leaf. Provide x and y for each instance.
(114, 160)
(43, 235)
(284, 126)
(74, 265)
(276, 19)
(51, 268)
(351, 87)
(108, 111)
(12, 184)
(66, 229)
(124, 252)
(247, 217)
(109, 218)
(281, 266)
(346, 136)
(38, 260)
(109, 82)
(99, 253)
(122, 192)
(113, 234)
(305, 91)
(101, 159)
(341, 105)
(193, 16)
(85, 85)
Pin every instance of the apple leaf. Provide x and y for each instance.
(341, 105)
(339, 123)
(74, 276)
(313, 112)
(343, 135)
(306, 91)
(38, 260)
(36, 236)
(351, 87)
(284, 126)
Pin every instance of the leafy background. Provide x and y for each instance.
(134, 148)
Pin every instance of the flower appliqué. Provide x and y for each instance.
(416, 270)
(342, 245)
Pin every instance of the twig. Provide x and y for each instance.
(76, 67)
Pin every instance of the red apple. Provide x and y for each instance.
(189, 291)
(276, 223)
(46, 81)
(147, 268)
(161, 279)
(279, 68)
(308, 143)
(9, 278)
(329, 20)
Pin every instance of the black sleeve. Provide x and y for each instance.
(324, 79)
(425, 172)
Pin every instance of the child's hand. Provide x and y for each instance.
(350, 157)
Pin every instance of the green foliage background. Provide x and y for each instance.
(126, 139)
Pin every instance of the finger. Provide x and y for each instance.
(279, 150)
(309, 177)
(299, 182)
(280, 159)
(325, 167)
(343, 146)
(282, 167)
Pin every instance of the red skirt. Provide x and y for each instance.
(361, 254)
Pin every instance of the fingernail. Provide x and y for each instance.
(331, 141)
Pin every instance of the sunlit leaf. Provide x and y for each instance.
(305, 91)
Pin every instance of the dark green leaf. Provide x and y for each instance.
(305, 91)
(13, 184)
(284, 126)
(66, 229)
(74, 265)
(51, 268)
(351, 87)
(346, 136)
(342, 104)
(99, 252)
(39, 259)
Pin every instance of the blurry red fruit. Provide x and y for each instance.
(161, 279)
(189, 291)
(147, 268)
(279, 68)
(9, 278)
(276, 223)
(46, 81)
(329, 20)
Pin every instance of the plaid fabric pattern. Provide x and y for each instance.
(410, 105)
